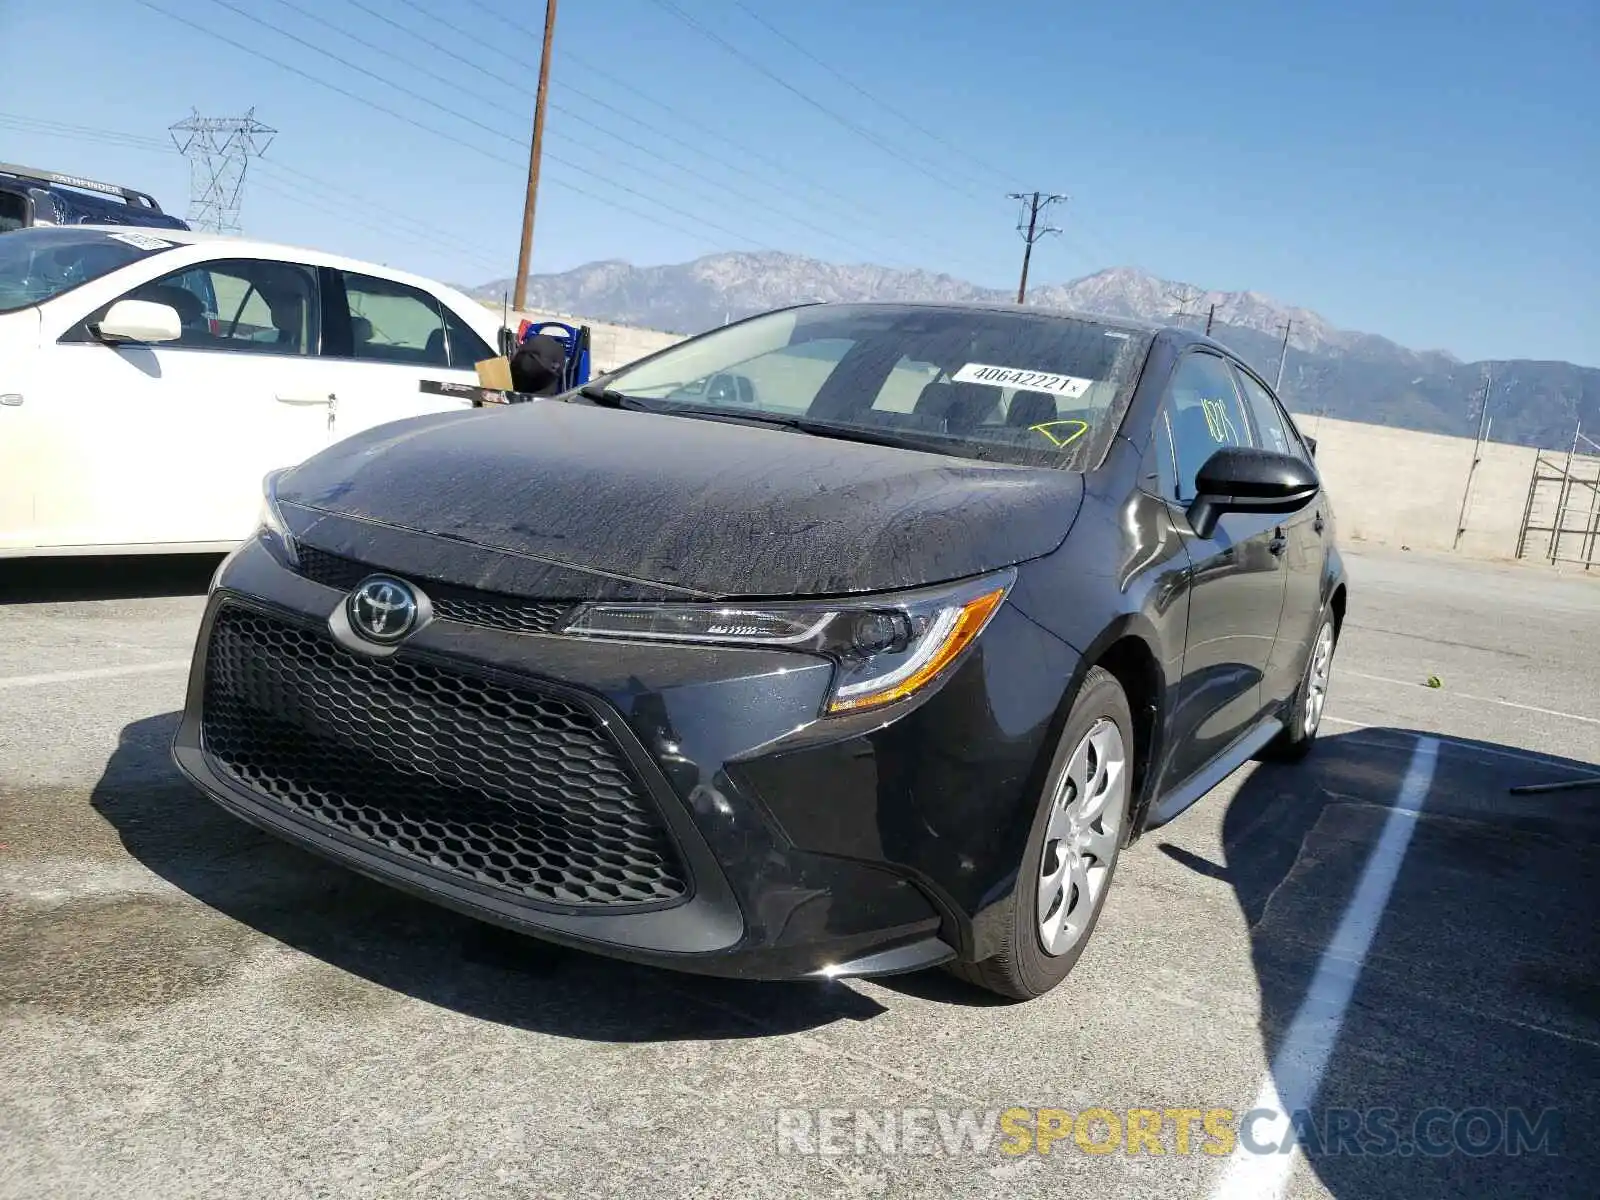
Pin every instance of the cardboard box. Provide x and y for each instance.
(495, 373)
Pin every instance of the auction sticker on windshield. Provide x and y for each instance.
(1026, 381)
(142, 241)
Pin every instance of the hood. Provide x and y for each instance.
(702, 506)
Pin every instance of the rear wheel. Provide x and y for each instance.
(1303, 716)
(1072, 848)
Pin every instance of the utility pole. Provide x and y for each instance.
(1033, 204)
(219, 150)
(1283, 355)
(1477, 445)
(535, 151)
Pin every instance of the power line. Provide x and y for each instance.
(838, 200)
(866, 134)
(654, 155)
(301, 181)
(1033, 204)
(360, 41)
(859, 90)
(452, 138)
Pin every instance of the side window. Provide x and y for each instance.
(1201, 414)
(467, 349)
(13, 211)
(395, 323)
(1270, 421)
(245, 304)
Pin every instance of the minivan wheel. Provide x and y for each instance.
(1072, 848)
(1303, 714)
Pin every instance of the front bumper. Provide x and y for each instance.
(862, 846)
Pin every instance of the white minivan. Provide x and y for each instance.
(149, 379)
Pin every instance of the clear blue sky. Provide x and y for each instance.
(1423, 170)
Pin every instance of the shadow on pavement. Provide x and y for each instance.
(1477, 1006)
(416, 948)
(97, 577)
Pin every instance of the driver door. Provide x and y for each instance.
(1236, 578)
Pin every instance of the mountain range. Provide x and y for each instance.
(1327, 371)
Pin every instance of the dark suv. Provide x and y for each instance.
(33, 197)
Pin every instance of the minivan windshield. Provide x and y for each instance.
(40, 264)
(1032, 388)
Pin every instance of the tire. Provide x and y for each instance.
(1304, 710)
(1072, 848)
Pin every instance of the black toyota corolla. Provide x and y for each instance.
(845, 640)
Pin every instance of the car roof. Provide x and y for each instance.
(301, 254)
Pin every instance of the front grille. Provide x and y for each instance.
(510, 787)
(450, 602)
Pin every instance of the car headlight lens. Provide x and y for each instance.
(885, 648)
(273, 527)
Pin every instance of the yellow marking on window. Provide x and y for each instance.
(1043, 429)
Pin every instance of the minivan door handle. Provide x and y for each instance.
(303, 400)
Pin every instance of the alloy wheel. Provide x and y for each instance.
(1317, 673)
(1082, 837)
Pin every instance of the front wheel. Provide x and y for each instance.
(1072, 848)
(1303, 716)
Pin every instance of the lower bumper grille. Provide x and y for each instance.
(509, 787)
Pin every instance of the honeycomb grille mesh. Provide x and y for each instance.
(450, 603)
(506, 786)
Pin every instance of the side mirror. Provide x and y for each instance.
(1244, 479)
(139, 321)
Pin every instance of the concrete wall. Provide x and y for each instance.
(1393, 486)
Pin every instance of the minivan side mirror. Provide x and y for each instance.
(138, 321)
(1244, 479)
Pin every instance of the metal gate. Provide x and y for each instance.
(1561, 521)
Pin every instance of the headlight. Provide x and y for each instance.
(886, 648)
(273, 527)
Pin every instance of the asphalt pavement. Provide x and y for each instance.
(190, 1009)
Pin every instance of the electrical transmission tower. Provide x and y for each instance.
(1034, 204)
(219, 150)
(1185, 294)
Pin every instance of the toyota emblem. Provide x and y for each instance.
(382, 609)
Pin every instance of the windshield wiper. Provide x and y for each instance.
(607, 398)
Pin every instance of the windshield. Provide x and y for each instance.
(40, 264)
(1017, 387)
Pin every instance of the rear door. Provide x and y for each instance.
(1304, 550)
(387, 337)
(1237, 575)
(168, 442)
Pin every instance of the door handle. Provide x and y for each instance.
(1279, 542)
(304, 401)
(1318, 524)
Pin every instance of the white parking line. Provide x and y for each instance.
(1549, 712)
(153, 668)
(1296, 1074)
